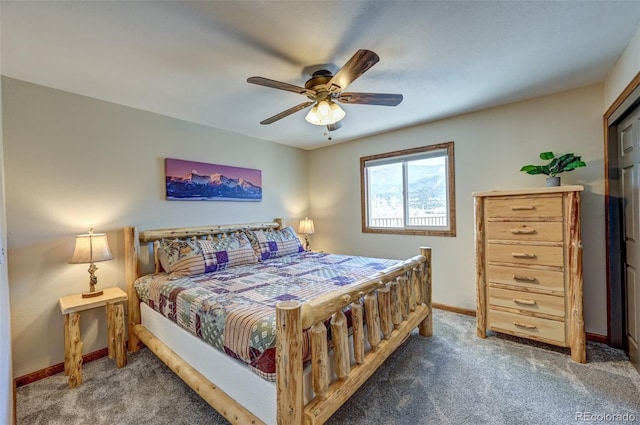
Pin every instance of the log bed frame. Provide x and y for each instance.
(396, 301)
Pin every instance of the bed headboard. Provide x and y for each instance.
(202, 232)
(133, 240)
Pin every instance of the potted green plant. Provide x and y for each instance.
(556, 165)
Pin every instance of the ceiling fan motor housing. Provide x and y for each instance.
(318, 82)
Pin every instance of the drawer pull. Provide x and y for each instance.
(524, 325)
(525, 278)
(523, 231)
(522, 255)
(523, 208)
(525, 302)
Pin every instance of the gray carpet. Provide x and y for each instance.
(452, 378)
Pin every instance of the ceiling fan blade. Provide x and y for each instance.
(355, 67)
(382, 99)
(266, 82)
(286, 113)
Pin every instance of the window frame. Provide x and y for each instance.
(451, 192)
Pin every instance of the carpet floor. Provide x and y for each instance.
(451, 378)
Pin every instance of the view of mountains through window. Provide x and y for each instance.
(426, 197)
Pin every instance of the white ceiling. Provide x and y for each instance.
(190, 60)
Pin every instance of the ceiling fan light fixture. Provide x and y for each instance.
(324, 109)
(325, 112)
(313, 117)
(337, 113)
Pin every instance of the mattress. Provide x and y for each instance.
(231, 376)
(233, 310)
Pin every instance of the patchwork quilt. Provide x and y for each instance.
(233, 309)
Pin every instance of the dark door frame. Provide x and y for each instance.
(624, 103)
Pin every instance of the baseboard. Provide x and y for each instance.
(55, 369)
(597, 338)
(465, 311)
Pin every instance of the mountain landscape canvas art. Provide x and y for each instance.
(199, 181)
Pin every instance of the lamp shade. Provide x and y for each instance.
(91, 248)
(306, 226)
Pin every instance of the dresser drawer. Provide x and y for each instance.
(525, 230)
(527, 326)
(532, 279)
(527, 301)
(524, 207)
(525, 254)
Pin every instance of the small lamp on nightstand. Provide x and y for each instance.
(306, 228)
(91, 248)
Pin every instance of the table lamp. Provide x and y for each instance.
(91, 248)
(306, 228)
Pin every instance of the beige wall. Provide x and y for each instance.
(73, 162)
(625, 70)
(6, 374)
(490, 148)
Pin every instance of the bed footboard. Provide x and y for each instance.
(395, 302)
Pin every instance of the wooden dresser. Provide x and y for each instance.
(529, 265)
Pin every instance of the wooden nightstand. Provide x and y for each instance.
(71, 306)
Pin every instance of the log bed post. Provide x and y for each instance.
(289, 385)
(319, 360)
(403, 287)
(384, 304)
(396, 313)
(357, 324)
(373, 319)
(132, 272)
(340, 337)
(426, 326)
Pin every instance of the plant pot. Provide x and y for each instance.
(553, 181)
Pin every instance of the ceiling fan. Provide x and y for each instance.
(324, 88)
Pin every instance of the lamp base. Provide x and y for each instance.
(92, 294)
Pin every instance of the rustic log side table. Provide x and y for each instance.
(71, 306)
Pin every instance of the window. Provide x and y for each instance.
(409, 192)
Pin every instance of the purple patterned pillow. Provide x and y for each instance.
(275, 243)
(226, 252)
(193, 257)
(182, 257)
